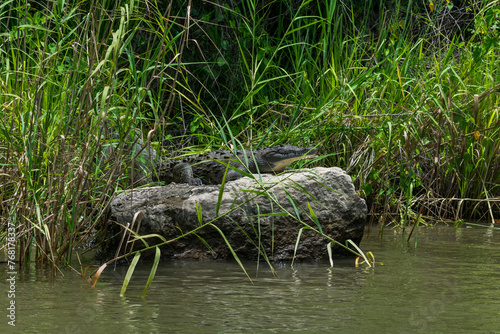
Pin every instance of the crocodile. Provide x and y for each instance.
(209, 168)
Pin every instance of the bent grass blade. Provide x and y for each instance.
(130, 271)
(97, 274)
(329, 249)
(297, 242)
(153, 271)
(232, 251)
(360, 252)
(315, 219)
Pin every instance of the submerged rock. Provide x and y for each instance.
(255, 217)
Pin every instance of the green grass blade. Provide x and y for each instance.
(130, 271)
(152, 273)
(232, 251)
(297, 242)
(315, 219)
(199, 213)
(221, 191)
(359, 251)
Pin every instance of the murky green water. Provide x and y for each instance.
(450, 283)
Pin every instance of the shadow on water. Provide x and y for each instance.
(447, 284)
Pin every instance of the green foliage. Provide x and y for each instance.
(71, 86)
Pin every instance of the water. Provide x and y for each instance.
(449, 283)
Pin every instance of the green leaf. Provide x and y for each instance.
(292, 202)
(315, 219)
(367, 188)
(221, 61)
(206, 244)
(195, 124)
(153, 270)
(272, 214)
(477, 53)
(297, 242)
(489, 43)
(200, 213)
(232, 251)
(130, 271)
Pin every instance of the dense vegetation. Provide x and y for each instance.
(402, 94)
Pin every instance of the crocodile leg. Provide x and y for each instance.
(233, 175)
(183, 172)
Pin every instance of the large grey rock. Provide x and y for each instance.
(249, 221)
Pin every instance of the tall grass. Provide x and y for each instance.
(389, 91)
(392, 100)
(72, 85)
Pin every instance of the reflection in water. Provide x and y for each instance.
(447, 284)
